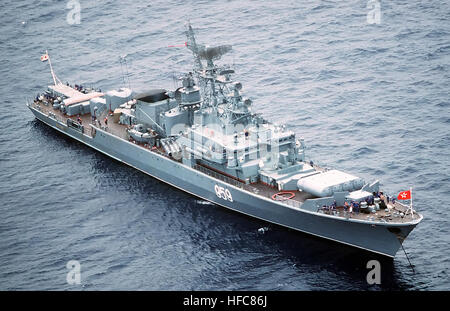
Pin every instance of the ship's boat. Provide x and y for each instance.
(141, 134)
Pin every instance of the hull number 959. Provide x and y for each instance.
(223, 193)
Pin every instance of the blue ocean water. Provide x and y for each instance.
(370, 99)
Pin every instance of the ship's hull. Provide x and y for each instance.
(384, 238)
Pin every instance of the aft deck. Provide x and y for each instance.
(116, 129)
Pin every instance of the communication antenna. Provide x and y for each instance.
(192, 45)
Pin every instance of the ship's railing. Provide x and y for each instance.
(240, 184)
(56, 117)
(334, 212)
(292, 203)
(86, 129)
(219, 176)
(227, 179)
(250, 188)
(160, 152)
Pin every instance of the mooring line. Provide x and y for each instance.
(408, 258)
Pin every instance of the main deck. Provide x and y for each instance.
(393, 213)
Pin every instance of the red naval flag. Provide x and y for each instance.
(44, 57)
(404, 195)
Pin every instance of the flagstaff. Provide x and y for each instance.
(407, 195)
(51, 67)
(46, 57)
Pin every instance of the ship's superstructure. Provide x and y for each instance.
(204, 138)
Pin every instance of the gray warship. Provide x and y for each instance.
(203, 138)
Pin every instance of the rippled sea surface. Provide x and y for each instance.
(370, 99)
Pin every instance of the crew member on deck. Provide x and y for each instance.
(356, 207)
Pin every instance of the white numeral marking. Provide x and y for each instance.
(223, 193)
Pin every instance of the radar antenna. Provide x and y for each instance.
(206, 76)
(204, 52)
